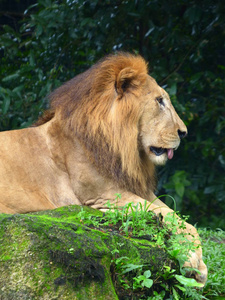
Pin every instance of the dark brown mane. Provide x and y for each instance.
(47, 116)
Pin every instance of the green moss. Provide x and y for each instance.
(53, 255)
(6, 257)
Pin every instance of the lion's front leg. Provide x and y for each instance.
(195, 260)
(158, 207)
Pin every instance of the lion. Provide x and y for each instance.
(105, 132)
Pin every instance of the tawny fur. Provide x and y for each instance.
(99, 137)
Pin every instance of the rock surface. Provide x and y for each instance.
(54, 255)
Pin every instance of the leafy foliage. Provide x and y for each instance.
(144, 280)
(183, 42)
(214, 250)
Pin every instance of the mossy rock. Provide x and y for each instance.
(54, 255)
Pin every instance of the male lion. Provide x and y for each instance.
(105, 131)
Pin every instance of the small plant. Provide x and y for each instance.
(71, 250)
(157, 296)
(143, 280)
(213, 242)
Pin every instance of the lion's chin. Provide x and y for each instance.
(158, 160)
(160, 155)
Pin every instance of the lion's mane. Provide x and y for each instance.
(100, 108)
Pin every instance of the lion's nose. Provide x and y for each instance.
(181, 134)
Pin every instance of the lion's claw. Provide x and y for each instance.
(196, 262)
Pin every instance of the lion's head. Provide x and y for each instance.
(124, 120)
(160, 126)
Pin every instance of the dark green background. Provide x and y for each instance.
(44, 43)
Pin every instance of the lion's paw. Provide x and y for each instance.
(196, 262)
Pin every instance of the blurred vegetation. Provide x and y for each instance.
(44, 43)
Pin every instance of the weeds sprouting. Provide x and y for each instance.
(137, 221)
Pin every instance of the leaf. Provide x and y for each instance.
(190, 282)
(180, 288)
(118, 260)
(5, 104)
(118, 196)
(196, 77)
(179, 187)
(176, 297)
(149, 31)
(39, 30)
(174, 252)
(147, 273)
(32, 58)
(131, 267)
(10, 77)
(147, 282)
(193, 14)
(173, 89)
(210, 189)
(17, 90)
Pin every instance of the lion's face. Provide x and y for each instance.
(160, 126)
(116, 106)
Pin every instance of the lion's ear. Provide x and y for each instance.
(127, 80)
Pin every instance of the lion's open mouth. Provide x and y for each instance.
(159, 151)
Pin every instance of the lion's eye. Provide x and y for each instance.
(160, 101)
